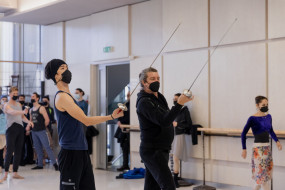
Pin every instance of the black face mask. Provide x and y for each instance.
(264, 109)
(154, 86)
(22, 102)
(15, 97)
(66, 76)
(44, 103)
(175, 103)
(33, 101)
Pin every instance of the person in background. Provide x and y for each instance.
(79, 93)
(40, 119)
(15, 117)
(261, 125)
(182, 143)
(3, 100)
(22, 99)
(50, 112)
(27, 152)
(124, 136)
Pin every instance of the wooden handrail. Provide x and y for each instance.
(22, 62)
(215, 131)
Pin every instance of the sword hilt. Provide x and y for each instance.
(123, 107)
(187, 93)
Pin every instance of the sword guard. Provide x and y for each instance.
(27, 107)
(122, 107)
(187, 93)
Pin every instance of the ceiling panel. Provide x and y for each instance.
(64, 10)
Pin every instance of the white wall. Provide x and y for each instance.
(146, 29)
(193, 32)
(110, 28)
(179, 72)
(51, 48)
(78, 40)
(250, 25)
(78, 53)
(275, 18)
(238, 74)
(80, 79)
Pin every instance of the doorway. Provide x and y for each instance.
(114, 82)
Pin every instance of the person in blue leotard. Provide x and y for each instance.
(261, 125)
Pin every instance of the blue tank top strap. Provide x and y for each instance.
(63, 92)
(60, 91)
(70, 130)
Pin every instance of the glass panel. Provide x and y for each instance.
(120, 98)
(6, 53)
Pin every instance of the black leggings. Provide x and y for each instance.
(75, 170)
(158, 175)
(1, 158)
(15, 140)
(126, 151)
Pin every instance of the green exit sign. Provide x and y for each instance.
(107, 49)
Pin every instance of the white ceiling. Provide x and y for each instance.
(64, 11)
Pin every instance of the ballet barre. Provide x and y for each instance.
(226, 132)
(214, 131)
(233, 132)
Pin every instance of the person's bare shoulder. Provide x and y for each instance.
(62, 100)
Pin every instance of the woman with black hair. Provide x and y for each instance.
(181, 146)
(261, 126)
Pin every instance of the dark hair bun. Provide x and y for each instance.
(258, 99)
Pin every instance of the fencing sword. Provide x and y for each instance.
(187, 92)
(123, 106)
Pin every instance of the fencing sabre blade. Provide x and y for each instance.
(187, 92)
(123, 106)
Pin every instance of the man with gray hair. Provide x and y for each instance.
(157, 132)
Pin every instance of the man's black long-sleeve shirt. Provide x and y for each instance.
(155, 120)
